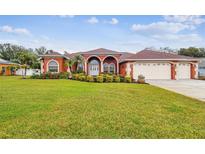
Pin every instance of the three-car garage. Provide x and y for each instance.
(161, 70)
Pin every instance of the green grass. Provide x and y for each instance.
(72, 109)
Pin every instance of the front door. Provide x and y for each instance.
(94, 67)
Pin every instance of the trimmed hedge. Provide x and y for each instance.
(127, 79)
(109, 78)
(49, 75)
(100, 78)
(82, 77)
(89, 78)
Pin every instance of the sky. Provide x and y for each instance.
(121, 33)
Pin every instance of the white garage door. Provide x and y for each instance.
(152, 70)
(183, 71)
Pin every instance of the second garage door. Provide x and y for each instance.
(183, 71)
(152, 70)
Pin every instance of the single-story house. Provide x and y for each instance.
(7, 67)
(151, 64)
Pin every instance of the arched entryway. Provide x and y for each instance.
(110, 65)
(94, 66)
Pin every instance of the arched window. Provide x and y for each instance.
(53, 66)
(94, 62)
(112, 68)
(105, 67)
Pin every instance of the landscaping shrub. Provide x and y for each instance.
(64, 75)
(141, 79)
(75, 77)
(100, 78)
(95, 78)
(127, 79)
(116, 78)
(122, 79)
(56, 76)
(82, 78)
(109, 78)
(89, 78)
(47, 75)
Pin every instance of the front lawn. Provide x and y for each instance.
(73, 109)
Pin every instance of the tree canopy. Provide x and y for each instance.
(192, 51)
(14, 53)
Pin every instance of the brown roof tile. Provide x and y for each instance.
(101, 51)
(150, 54)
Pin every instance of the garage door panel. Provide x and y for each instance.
(153, 70)
(183, 71)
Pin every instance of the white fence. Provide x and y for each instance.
(28, 72)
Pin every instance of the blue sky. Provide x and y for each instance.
(122, 33)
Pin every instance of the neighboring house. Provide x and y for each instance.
(151, 64)
(202, 67)
(7, 67)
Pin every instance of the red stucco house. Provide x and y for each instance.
(151, 64)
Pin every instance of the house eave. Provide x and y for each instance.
(159, 60)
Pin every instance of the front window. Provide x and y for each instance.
(112, 68)
(105, 67)
(53, 66)
(109, 68)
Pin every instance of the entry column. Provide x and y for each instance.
(101, 67)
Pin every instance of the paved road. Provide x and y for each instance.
(191, 88)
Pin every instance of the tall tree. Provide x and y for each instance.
(26, 59)
(40, 51)
(192, 51)
(9, 51)
(78, 60)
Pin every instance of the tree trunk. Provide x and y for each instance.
(25, 72)
(70, 73)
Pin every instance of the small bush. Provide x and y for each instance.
(109, 78)
(75, 77)
(100, 78)
(56, 76)
(82, 78)
(47, 75)
(89, 78)
(63, 75)
(141, 79)
(127, 79)
(116, 78)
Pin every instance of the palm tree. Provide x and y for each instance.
(69, 63)
(78, 59)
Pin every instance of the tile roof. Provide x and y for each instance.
(51, 52)
(150, 54)
(101, 51)
(145, 54)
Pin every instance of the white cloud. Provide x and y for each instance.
(160, 27)
(187, 19)
(66, 16)
(113, 21)
(189, 38)
(9, 29)
(93, 20)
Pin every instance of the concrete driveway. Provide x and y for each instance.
(191, 88)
